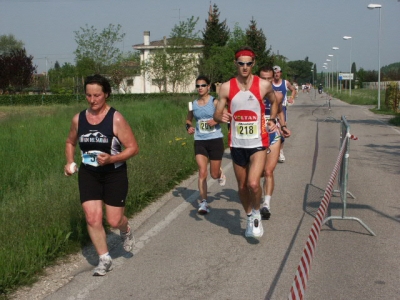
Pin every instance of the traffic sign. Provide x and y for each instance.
(346, 76)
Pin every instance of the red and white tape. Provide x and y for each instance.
(300, 279)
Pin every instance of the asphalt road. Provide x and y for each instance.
(181, 255)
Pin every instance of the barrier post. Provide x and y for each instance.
(343, 177)
(328, 102)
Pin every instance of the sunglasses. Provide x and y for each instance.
(241, 63)
(200, 85)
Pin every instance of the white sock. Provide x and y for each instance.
(267, 200)
(105, 255)
(256, 212)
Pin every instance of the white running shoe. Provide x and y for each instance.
(281, 158)
(104, 266)
(128, 239)
(222, 179)
(203, 208)
(258, 229)
(249, 227)
(254, 227)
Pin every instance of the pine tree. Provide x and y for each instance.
(256, 39)
(216, 33)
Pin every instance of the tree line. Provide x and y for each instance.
(171, 66)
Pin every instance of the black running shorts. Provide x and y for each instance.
(213, 149)
(241, 156)
(111, 187)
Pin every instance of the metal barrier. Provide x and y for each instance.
(297, 291)
(343, 176)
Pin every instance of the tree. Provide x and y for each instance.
(16, 70)
(128, 66)
(98, 50)
(182, 60)
(300, 70)
(157, 68)
(9, 43)
(216, 33)
(63, 79)
(256, 39)
(354, 71)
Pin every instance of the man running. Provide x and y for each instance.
(282, 85)
(275, 139)
(248, 136)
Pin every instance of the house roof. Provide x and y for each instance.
(160, 44)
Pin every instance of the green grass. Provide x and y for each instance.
(367, 97)
(40, 212)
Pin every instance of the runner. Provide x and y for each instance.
(248, 137)
(275, 138)
(106, 141)
(208, 142)
(282, 85)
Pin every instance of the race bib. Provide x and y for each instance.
(246, 130)
(90, 158)
(204, 127)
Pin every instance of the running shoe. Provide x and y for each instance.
(249, 227)
(128, 239)
(265, 212)
(281, 157)
(222, 179)
(104, 266)
(203, 208)
(258, 229)
(254, 227)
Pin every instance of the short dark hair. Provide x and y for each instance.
(266, 68)
(203, 77)
(100, 80)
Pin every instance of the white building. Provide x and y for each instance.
(143, 83)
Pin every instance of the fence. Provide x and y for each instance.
(299, 285)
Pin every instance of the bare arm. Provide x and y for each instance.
(124, 133)
(293, 92)
(70, 144)
(221, 115)
(189, 119)
(268, 92)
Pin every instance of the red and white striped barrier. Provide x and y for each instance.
(303, 269)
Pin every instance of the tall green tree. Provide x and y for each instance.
(216, 32)
(9, 43)
(97, 50)
(128, 66)
(63, 79)
(300, 70)
(256, 39)
(354, 71)
(16, 70)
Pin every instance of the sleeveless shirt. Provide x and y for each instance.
(248, 129)
(202, 114)
(99, 137)
(283, 89)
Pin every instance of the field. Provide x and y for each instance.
(40, 212)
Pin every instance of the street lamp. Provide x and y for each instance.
(373, 6)
(329, 78)
(337, 75)
(351, 44)
(331, 55)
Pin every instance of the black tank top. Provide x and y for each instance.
(99, 137)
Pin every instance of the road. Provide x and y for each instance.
(181, 255)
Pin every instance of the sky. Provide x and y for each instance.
(293, 28)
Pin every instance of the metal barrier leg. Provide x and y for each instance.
(349, 218)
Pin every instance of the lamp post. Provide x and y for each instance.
(329, 76)
(373, 6)
(351, 44)
(331, 56)
(337, 75)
